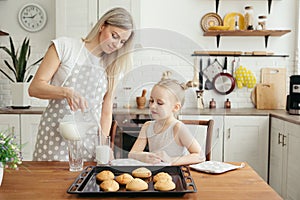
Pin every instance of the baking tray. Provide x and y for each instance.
(87, 185)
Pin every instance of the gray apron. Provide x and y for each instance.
(88, 78)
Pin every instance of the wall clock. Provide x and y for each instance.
(32, 17)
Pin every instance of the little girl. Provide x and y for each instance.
(169, 139)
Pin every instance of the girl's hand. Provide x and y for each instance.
(76, 101)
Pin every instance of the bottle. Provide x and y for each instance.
(200, 103)
(212, 103)
(227, 104)
(236, 22)
(262, 19)
(248, 18)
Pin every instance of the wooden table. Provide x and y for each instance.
(51, 180)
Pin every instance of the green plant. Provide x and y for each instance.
(10, 154)
(19, 61)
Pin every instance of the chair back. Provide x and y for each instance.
(113, 132)
(208, 124)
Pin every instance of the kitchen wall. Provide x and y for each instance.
(177, 33)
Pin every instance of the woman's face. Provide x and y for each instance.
(112, 38)
(162, 103)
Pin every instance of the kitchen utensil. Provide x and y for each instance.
(208, 84)
(224, 82)
(276, 76)
(200, 74)
(210, 19)
(265, 96)
(195, 81)
(229, 20)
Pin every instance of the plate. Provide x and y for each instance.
(222, 28)
(215, 167)
(229, 20)
(210, 19)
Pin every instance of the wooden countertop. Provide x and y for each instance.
(281, 114)
(51, 180)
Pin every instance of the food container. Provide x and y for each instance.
(86, 183)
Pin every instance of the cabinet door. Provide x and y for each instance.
(277, 152)
(246, 139)
(293, 161)
(217, 138)
(29, 128)
(11, 122)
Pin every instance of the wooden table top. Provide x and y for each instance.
(51, 180)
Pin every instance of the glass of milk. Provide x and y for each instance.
(102, 149)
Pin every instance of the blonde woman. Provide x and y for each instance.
(78, 75)
(169, 139)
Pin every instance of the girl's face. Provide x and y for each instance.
(112, 38)
(162, 103)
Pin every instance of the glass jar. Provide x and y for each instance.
(262, 21)
(248, 18)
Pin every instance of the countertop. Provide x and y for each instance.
(51, 180)
(281, 114)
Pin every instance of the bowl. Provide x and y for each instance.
(220, 28)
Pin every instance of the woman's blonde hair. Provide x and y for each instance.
(118, 62)
(173, 86)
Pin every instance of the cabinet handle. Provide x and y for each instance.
(218, 131)
(283, 140)
(228, 136)
(279, 138)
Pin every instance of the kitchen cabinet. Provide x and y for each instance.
(217, 137)
(24, 127)
(29, 128)
(284, 174)
(246, 139)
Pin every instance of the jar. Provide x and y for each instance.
(227, 104)
(248, 18)
(212, 103)
(262, 19)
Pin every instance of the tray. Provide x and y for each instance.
(86, 184)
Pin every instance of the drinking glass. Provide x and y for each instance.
(102, 149)
(75, 155)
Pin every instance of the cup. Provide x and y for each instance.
(102, 149)
(75, 155)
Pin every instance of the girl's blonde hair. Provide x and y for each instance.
(118, 62)
(173, 86)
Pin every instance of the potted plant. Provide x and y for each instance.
(20, 70)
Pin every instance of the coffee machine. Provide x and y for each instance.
(293, 99)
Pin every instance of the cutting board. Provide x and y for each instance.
(277, 77)
(265, 96)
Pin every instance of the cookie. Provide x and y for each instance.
(162, 176)
(123, 179)
(105, 175)
(136, 184)
(141, 172)
(109, 186)
(164, 185)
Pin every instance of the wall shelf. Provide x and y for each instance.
(2, 33)
(242, 55)
(235, 33)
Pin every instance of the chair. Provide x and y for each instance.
(209, 132)
(113, 132)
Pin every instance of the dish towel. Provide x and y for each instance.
(215, 167)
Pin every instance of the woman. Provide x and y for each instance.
(80, 75)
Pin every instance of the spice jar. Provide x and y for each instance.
(262, 19)
(248, 17)
(227, 104)
(212, 103)
(200, 103)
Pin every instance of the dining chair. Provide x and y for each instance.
(208, 125)
(113, 132)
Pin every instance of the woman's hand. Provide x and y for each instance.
(76, 101)
(164, 156)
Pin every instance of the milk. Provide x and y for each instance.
(69, 131)
(102, 154)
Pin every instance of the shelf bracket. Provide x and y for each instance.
(266, 41)
(218, 40)
(217, 5)
(269, 5)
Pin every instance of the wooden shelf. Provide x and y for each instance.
(2, 33)
(237, 55)
(235, 33)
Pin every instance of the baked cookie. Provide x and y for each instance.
(141, 172)
(109, 185)
(162, 176)
(136, 184)
(123, 179)
(105, 175)
(164, 185)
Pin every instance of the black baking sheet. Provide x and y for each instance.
(86, 183)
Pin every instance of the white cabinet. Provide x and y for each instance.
(29, 128)
(217, 138)
(11, 122)
(285, 159)
(246, 139)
